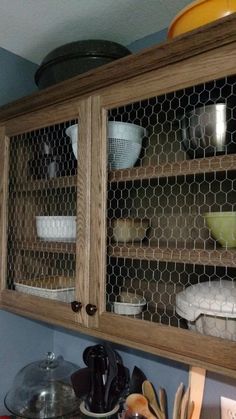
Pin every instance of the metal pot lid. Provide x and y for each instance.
(43, 389)
(215, 298)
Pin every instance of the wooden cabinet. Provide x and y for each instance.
(170, 188)
(38, 263)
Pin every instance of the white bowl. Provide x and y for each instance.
(73, 133)
(129, 304)
(56, 228)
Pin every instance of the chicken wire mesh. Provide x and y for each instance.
(42, 213)
(171, 212)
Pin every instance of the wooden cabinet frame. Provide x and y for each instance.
(28, 304)
(183, 62)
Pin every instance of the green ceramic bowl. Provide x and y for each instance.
(222, 226)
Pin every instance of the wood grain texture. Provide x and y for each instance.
(50, 115)
(83, 278)
(202, 351)
(211, 257)
(54, 183)
(98, 205)
(217, 34)
(185, 167)
(194, 70)
(39, 308)
(46, 246)
(4, 163)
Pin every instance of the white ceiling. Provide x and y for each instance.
(33, 28)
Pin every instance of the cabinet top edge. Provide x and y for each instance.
(218, 34)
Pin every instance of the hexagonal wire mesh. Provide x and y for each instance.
(159, 242)
(42, 213)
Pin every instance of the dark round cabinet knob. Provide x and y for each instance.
(76, 306)
(91, 309)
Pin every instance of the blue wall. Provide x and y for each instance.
(148, 41)
(16, 77)
(24, 341)
(21, 341)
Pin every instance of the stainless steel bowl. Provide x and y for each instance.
(205, 131)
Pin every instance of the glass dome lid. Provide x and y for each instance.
(43, 389)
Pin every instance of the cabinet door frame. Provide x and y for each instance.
(186, 346)
(43, 309)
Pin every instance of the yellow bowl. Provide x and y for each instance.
(222, 226)
(200, 13)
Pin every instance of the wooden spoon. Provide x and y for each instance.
(163, 401)
(184, 405)
(149, 393)
(137, 403)
(177, 401)
(190, 410)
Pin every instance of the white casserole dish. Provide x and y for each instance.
(209, 308)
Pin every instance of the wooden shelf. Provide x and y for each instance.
(46, 246)
(55, 183)
(185, 167)
(219, 257)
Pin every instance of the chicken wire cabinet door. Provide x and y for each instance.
(157, 222)
(170, 162)
(47, 206)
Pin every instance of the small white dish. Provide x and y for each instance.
(56, 228)
(129, 303)
(98, 415)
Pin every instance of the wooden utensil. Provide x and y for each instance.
(184, 404)
(137, 403)
(163, 401)
(196, 383)
(177, 401)
(149, 393)
(190, 410)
